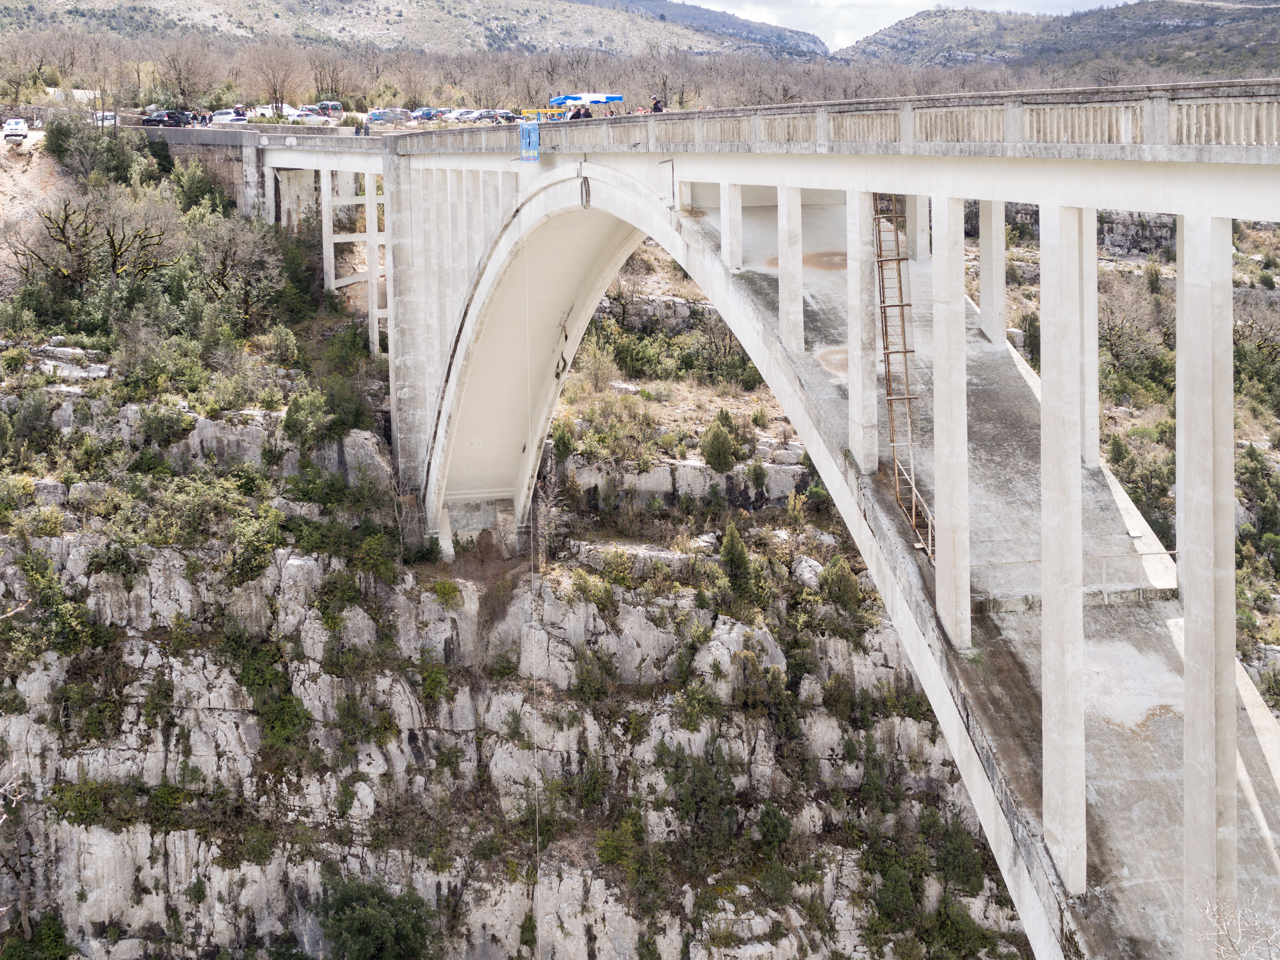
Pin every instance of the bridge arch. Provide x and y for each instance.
(529, 306)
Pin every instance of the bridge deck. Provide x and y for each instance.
(1134, 690)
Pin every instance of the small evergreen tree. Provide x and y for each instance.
(735, 561)
(365, 921)
(894, 899)
(839, 585)
(959, 862)
(718, 448)
(775, 830)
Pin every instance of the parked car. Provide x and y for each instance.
(168, 118)
(390, 116)
(105, 118)
(481, 116)
(331, 109)
(227, 116)
(504, 116)
(427, 113)
(309, 113)
(15, 129)
(456, 115)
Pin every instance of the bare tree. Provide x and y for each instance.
(187, 70)
(330, 73)
(278, 67)
(1245, 932)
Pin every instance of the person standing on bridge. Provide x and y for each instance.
(657, 105)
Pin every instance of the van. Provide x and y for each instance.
(331, 109)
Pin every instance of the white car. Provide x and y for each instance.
(227, 116)
(15, 129)
(284, 110)
(456, 115)
(105, 118)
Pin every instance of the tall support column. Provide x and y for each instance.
(269, 194)
(731, 225)
(414, 359)
(457, 252)
(1062, 543)
(1206, 566)
(372, 258)
(473, 205)
(440, 263)
(326, 227)
(991, 265)
(1090, 436)
(790, 269)
(950, 422)
(917, 227)
(860, 258)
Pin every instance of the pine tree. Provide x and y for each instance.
(735, 561)
(717, 448)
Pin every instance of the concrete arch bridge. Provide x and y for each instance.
(1124, 767)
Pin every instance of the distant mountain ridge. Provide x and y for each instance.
(776, 39)
(1209, 38)
(613, 26)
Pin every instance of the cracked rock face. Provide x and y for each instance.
(393, 777)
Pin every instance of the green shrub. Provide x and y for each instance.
(775, 830)
(776, 884)
(757, 476)
(563, 444)
(365, 921)
(735, 561)
(48, 942)
(959, 862)
(448, 594)
(307, 421)
(1151, 274)
(839, 585)
(894, 898)
(12, 701)
(596, 676)
(718, 448)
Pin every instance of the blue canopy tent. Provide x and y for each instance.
(579, 99)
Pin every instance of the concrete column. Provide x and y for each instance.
(864, 434)
(473, 207)
(790, 270)
(731, 225)
(371, 256)
(917, 227)
(269, 194)
(326, 226)
(1062, 544)
(440, 263)
(991, 266)
(1206, 564)
(950, 422)
(1090, 439)
(457, 252)
(685, 195)
(409, 323)
(491, 207)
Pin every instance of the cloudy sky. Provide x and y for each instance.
(841, 22)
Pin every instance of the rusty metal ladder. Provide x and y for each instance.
(891, 259)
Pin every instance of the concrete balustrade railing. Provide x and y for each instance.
(1167, 122)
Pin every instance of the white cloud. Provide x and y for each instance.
(841, 22)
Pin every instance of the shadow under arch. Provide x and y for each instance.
(529, 307)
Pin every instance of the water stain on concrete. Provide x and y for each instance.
(835, 359)
(824, 260)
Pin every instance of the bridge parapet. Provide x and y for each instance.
(1164, 122)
